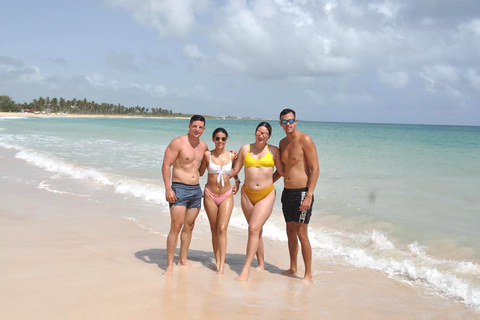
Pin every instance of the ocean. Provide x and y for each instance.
(399, 199)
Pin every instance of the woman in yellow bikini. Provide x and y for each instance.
(218, 198)
(258, 192)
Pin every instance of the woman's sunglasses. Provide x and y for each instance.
(287, 121)
(260, 133)
(218, 139)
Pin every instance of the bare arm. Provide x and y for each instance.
(203, 164)
(237, 181)
(276, 174)
(171, 154)
(310, 152)
(278, 163)
(238, 162)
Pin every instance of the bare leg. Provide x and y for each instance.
(302, 230)
(186, 236)
(212, 213)
(292, 247)
(261, 253)
(224, 214)
(258, 216)
(247, 208)
(177, 216)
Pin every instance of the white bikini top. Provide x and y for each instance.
(214, 168)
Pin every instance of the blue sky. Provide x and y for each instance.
(348, 61)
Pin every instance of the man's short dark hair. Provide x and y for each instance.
(197, 117)
(287, 111)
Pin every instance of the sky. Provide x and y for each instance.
(393, 61)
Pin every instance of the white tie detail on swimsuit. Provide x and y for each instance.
(214, 168)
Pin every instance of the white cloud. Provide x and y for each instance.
(288, 39)
(473, 78)
(96, 80)
(397, 80)
(284, 38)
(14, 70)
(316, 97)
(193, 52)
(472, 26)
(442, 79)
(123, 62)
(6, 61)
(388, 9)
(170, 17)
(441, 73)
(101, 82)
(155, 90)
(196, 92)
(31, 74)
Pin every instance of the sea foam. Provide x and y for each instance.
(57, 165)
(144, 190)
(12, 118)
(141, 189)
(374, 251)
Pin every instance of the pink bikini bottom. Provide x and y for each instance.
(218, 199)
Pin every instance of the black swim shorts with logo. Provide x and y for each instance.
(291, 201)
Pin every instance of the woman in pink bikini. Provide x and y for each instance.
(218, 198)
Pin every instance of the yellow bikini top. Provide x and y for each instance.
(265, 161)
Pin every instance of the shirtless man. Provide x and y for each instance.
(299, 156)
(182, 189)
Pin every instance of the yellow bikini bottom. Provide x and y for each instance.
(256, 195)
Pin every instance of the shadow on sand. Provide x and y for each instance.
(233, 260)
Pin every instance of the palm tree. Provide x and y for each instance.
(54, 104)
(63, 105)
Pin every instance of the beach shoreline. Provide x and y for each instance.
(64, 256)
(115, 116)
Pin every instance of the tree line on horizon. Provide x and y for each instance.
(74, 106)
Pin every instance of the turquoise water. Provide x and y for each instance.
(400, 199)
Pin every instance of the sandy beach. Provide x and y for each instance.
(68, 257)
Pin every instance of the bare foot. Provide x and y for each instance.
(220, 270)
(260, 267)
(307, 280)
(290, 273)
(243, 277)
(185, 263)
(168, 272)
